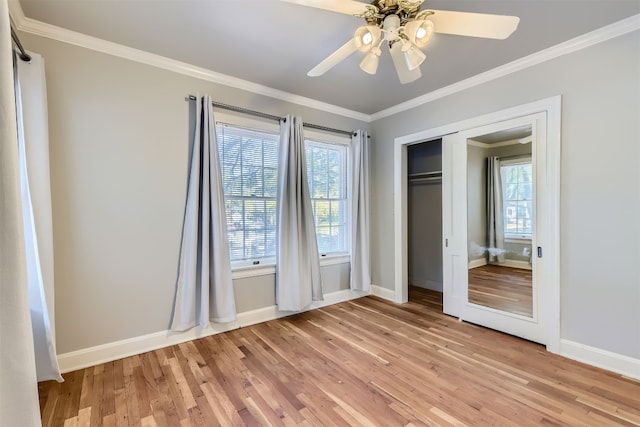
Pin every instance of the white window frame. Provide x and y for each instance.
(267, 266)
(346, 191)
(512, 237)
(257, 266)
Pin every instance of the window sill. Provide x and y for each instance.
(242, 272)
(268, 267)
(517, 239)
(334, 259)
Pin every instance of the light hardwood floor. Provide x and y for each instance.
(364, 362)
(504, 288)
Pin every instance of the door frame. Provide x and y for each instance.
(552, 107)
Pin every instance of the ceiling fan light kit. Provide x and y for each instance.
(406, 29)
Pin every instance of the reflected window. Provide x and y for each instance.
(517, 197)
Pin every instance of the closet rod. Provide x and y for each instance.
(272, 117)
(427, 179)
(22, 54)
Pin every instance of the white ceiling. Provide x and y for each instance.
(274, 43)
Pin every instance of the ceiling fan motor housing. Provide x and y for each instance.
(391, 27)
(406, 10)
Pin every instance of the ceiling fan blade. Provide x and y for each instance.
(348, 7)
(332, 60)
(474, 24)
(404, 74)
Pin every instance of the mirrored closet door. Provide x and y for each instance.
(490, 225)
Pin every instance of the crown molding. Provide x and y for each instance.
(23, 23)
(53, 32)
(573, 45)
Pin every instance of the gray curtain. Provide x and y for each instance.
(495, 221)
(18, 385)
(298, 280)
(204, 289)
(360, 277)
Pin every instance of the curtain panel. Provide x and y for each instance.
(298, 280)
(360, 276)
(204, 288)
(33, 146)
(19, 404)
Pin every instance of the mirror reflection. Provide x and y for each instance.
(500, 228)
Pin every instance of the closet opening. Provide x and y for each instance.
(424, 222)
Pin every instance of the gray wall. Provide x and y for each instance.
(425, 217)
(600, 182)
(119, 142)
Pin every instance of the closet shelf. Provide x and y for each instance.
(425, 176)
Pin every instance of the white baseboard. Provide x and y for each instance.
(524, 265)
(624, 365)
(427, 284)
(475, 263)
(92, 356)
(379, 291)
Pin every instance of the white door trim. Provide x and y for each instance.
(552, 107)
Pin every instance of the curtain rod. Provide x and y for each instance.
(22, 54)
(272, 117)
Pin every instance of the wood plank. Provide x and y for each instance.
(84, 417)
(49, 397)
(97, 395)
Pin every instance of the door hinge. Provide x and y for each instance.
(446, 243)
(539, 251)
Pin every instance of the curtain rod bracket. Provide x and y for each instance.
(22, 54)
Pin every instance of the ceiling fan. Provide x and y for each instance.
(406, 28)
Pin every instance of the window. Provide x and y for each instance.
(327, 175)
(517, 193)
(249, 162)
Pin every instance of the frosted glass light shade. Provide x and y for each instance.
(412, 55)
(370, 62)
(419, 32)
(366, 37)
